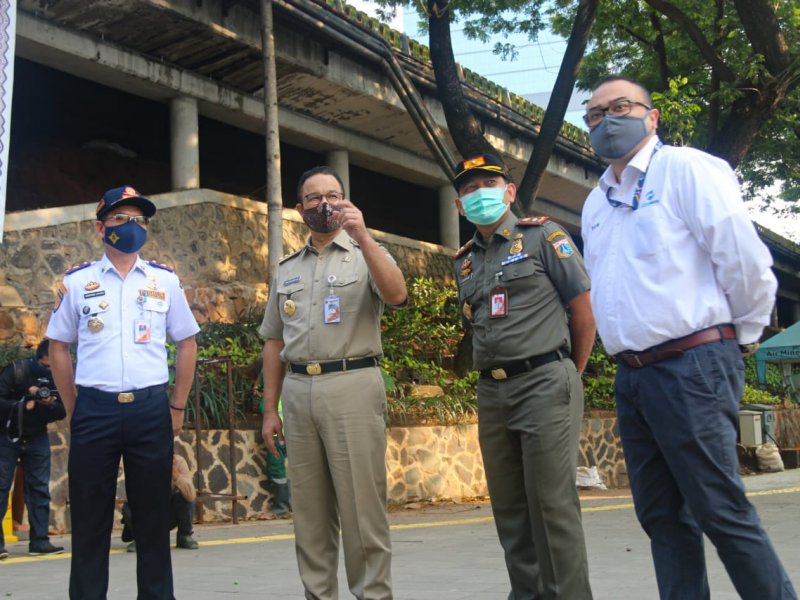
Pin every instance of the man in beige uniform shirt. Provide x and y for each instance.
(322, 326)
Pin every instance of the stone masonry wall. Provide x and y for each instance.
(217, 244)
(423, 463)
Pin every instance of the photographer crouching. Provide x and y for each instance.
(28, 402)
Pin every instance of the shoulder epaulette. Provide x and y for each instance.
(158, 265)
(76, 268)
(533, 221)
(283, 259)
(462, 250)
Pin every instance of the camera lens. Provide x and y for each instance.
(43, 393)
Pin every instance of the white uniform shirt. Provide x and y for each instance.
(111, 359)
(688, 258)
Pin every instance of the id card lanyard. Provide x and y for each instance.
(332, 305)
(498, 299)
(637, 192)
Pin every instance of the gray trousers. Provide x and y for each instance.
(529, 426)
(335, 433)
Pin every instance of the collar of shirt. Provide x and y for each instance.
(504, 230)
(622, 191)
(105, 265)
(342, 240)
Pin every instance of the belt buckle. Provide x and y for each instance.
(125, 397)
(499, 374)
(313, 368)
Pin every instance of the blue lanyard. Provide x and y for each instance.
(637, 193)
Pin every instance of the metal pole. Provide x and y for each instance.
(197, 432)
(231, 442)
(272, 137)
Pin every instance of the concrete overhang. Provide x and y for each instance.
(211, 50)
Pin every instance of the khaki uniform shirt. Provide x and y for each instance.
(296, 302)
(537, 263)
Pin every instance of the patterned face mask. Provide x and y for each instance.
(322, 219)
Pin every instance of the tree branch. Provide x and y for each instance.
(463, 125)
(694, 32)
(557, 105)
(660, 49)
(764, 32)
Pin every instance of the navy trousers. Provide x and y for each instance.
(102, 432)
(678, 421)
(34, 456)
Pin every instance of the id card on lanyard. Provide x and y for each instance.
(332, 305)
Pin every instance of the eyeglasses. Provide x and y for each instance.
(616, 108)
(122, 218)
(314, 199)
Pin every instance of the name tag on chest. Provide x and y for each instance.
(155, 300)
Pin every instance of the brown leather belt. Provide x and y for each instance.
(676, 348)
(333, 366)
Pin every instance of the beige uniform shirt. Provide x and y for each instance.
(296, 303)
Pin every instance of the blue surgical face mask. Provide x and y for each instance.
(485, 205)
(127, 238)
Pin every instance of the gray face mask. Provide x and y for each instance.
(615, 137)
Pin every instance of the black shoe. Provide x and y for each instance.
(3, 553)
(186, 541)
(44, 548)
(127, 534)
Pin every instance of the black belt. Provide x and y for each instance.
(333, 366)
(123, 397)
(676, 348)
(518, 367)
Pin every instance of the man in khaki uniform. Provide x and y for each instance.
(516, 279)
(322, 325)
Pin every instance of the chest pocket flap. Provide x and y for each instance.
(346, 280)
(288, 290)
(523, 268)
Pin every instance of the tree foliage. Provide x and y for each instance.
(725, 74)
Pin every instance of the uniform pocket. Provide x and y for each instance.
(348, 292)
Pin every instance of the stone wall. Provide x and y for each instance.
(217, 243)
(423, 463)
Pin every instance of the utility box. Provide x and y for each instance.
(750, 428)
(767, 421)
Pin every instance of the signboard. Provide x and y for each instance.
(8, 31)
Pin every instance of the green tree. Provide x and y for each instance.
(482, 19)
(724, 72)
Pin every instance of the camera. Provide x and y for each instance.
(45, 389)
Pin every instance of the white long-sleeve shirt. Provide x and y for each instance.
(687, 258)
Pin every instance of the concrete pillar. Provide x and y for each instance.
(339, 161)
(184, 143)
(448, 217)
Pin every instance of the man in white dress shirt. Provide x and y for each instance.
(121, 309)
(681, 290)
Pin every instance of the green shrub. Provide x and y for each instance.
(419, 344)
(11, 352)
(241, 343)
(598, 379)
(754, 395)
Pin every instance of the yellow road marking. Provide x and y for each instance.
(451, 522)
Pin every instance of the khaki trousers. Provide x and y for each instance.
(335, 432)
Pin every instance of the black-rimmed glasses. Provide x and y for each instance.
(616, 108)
